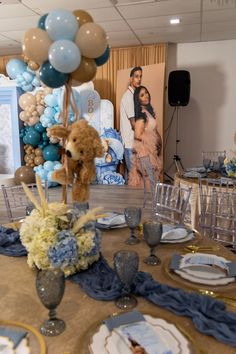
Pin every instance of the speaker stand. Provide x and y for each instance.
(177, 162)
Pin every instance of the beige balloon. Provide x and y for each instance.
(26, 100)
(82, 17)
(47, 90)
(38, 152)
(24, 174)
(38, 160)
(23, 116)
(36, 43)
(85, 72)
(26, 158)
(40, 109)
(33, 66)
(33, 120)
(91, 39)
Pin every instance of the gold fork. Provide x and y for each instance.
(227, 299)
(194, 249)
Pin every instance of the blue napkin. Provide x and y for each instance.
(208, 315)
(14, 335)
(10, 243)
(124, 318)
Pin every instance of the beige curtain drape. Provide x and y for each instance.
(5, 59)
(124, 58)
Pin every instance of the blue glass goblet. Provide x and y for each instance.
(132, 218)
(152, 232)
(50, 286)
(126, 267)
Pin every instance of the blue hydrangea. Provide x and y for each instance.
(65, 252)
(97, 244)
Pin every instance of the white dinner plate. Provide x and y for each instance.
(6, 346)
(112, 220)
(105, 342)
(173, 234)
(212, 272)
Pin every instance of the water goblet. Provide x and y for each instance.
(152, 232)
(206, 164)
(126, 267)
(132, 218)
(221, 159)
(50, 286)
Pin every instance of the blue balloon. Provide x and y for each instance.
(61, 24)
(15, 67)
(41, 22)
(48, 165)
(38, 126)
(28, 87)
(64, 55)
(36, 82)
(42, 174)
(103, 58)
(50, 100)
(32, 137)
(49, 112)
(51, 152)
(28, 77)
(51, 77)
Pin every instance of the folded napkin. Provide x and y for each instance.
(112, 219)
(15, 336)
(193, 174)
(178, 264)
(10, 243)
(209, 316)
(132, 327)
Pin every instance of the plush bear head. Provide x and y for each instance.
(83, 142)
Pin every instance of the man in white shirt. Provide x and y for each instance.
(127, 116)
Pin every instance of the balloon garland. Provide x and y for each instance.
(64, 49)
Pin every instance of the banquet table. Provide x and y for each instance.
(81, 313)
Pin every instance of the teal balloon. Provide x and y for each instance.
(51, 153)
(32, 137)
(51, 77)
(15, 67)
(103, 58)
(38, 126)
(61, 24)
(41, 22)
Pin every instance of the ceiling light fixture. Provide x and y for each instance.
(174, 21)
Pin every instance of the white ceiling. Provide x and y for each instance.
(127, 22)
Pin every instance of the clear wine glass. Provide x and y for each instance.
(132, 218)
(50, 286)
(126, 267)
(152, 232)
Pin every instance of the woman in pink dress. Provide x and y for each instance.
(147, 140)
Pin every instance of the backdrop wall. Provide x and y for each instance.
(209, 121)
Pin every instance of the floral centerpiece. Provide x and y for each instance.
(56, 236)
(230, 166)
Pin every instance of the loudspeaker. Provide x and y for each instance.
(179, 88)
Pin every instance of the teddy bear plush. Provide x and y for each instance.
(83, 144)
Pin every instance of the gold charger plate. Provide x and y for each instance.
(224, 290)
(87, 337)
(36, 341)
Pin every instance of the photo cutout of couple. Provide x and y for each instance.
(139, 112)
